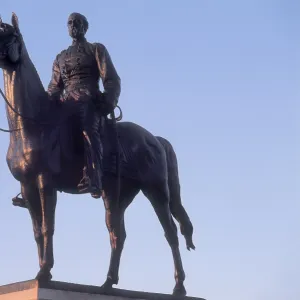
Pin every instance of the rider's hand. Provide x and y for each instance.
(105, 106)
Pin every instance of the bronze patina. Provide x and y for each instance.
(62, 139)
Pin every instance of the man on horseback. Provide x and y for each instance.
(75, 81)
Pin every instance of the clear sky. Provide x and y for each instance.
(221, 81)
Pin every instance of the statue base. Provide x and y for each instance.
(54, 290)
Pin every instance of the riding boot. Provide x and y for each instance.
(96, 173)
(84, 182)
(92, 172)
(92, 182)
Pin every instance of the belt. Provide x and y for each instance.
(81, 86)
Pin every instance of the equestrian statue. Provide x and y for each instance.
(67, 139)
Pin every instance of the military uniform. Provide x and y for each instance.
(75, 81)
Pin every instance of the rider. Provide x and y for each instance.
(75, 81)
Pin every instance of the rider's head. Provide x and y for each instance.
(77, 25)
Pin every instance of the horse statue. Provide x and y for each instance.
(45, 163)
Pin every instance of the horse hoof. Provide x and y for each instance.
(107, 285)
(189, 244)
(43, 275)
(179, 290)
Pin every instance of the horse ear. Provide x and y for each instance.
(15, 22)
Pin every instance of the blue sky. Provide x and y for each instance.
(220, 80)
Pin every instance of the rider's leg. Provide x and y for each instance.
(90, 120)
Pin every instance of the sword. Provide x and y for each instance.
(117, 150)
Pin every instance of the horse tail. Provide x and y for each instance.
(176, 207)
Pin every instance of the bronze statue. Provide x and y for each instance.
(75, 80)
(46, 151)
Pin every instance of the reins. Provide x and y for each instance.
(119, 118)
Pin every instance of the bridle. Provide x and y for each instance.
(10, 106)
(22, 116)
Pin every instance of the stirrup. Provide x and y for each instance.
(18, 201)
(96, 193)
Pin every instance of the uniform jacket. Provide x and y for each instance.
(78, 69)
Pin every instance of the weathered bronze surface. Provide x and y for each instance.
(56, 134)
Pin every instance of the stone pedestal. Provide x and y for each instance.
(32, 290)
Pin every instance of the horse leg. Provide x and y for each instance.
(30, 194)
(48, 197)
(114, 215)
(159, 198)
(180, 214)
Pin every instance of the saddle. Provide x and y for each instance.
(65, 143)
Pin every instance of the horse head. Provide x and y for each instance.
(11, 43)
(23, 87)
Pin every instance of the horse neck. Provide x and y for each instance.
(25, 93)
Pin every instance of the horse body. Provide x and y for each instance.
(45, 160)
(25, 147)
